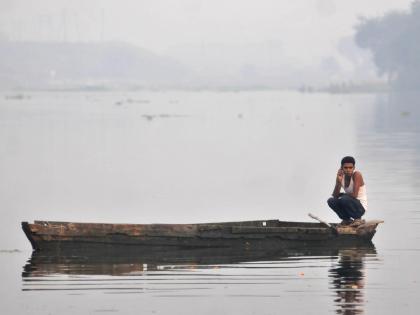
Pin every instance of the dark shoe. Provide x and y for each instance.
(357, 222)
(346, 222)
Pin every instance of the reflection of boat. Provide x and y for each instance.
(50, 234)
(122, 260)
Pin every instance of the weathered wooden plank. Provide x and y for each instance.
(270, 222)
(104, 230)
(277, 230)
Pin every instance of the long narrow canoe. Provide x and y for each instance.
(252, 234)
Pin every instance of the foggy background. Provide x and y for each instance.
(201, 44)
(195, 111)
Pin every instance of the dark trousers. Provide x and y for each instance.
(346, 207)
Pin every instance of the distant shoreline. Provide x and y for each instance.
(339, 88)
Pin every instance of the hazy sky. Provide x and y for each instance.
(301, 26)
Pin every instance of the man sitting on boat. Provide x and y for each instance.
(352, 204)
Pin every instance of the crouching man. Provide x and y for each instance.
(351, 205)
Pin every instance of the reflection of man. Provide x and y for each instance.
(348, 281)
(351, 204)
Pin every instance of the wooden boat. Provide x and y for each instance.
(249, 234)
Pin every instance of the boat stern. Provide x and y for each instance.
(26, 227)
(365, 231)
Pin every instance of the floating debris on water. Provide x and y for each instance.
(131, 101)
(19, 96)
(10, 251)
(105, 310)
(150, 117)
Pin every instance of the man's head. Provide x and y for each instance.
(347, 165)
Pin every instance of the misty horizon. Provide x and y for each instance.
(49, 64)
(244, 45)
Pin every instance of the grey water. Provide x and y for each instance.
(186, 157)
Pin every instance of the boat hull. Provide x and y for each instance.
(247, 234)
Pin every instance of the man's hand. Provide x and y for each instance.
(338, 181)
(339, 178)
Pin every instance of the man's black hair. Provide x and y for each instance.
(348, 159)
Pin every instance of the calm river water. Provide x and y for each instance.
(178, 157)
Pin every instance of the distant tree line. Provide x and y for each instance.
(394, 41)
